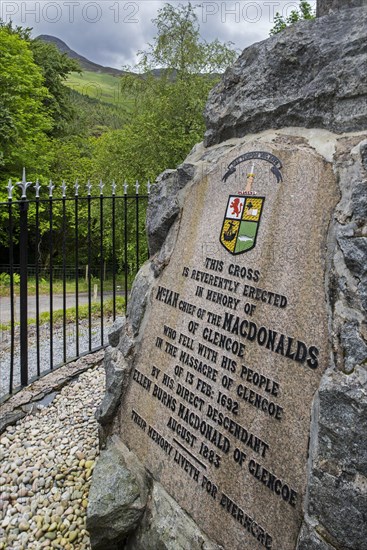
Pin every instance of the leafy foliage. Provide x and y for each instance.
(178, 47)
(24, 121)
(93, 117)
(167, 117)
(304, 12)
(55, 68)
(70, 136)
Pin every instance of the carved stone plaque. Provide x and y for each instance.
(234, 343)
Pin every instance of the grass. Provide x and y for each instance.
(83, 313)
(104, 87)
(44, 286)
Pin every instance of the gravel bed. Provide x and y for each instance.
(45, 348)
(46, 464)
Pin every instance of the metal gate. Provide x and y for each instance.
(68, 255)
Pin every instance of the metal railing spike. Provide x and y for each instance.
(51, 187)
(89, 188)
(10, 188)
(63, 187)
(24, 184)
(37, 188)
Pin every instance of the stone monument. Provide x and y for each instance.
(235, 410)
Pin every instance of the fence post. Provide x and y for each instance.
(23, 269)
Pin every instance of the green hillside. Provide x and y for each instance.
(104, 87)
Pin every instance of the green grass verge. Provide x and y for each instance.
(57, 286)
(104, 87)
(83, 313)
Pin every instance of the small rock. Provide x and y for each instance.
(73, 535)
(51, 535)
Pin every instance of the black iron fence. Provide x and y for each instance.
(67, 260)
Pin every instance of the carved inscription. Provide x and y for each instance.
(233, 344)
(210, 385)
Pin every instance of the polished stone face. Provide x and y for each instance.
(234, 343)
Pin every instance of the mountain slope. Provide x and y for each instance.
(85, 63)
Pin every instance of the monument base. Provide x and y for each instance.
(141, 496)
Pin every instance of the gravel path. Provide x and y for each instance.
(45, 348)
(47, 461)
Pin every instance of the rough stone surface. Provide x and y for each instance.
(162, 258)
(166, 526)
(337, 489)
(313, 74)
(115, 331)
(117, 497)
(10, 418)
(139, 295)
(337, 494)
(163, 206)
(309, 540)
(325, 7)
(338, 460)
(117, 379)
(118, 363)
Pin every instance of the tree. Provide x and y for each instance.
(24, 122)
(56, 66)
(179, 49)
(174, 77)
(169, 92)
(304, 12)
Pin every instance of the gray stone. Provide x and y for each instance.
(337, 495)
(10, 418)
(163, 207)
(166, 526)
(363, 149)
(355, 253)
(343, 420)
(115, 331)
(309, 540)
(355, 349)
(324, 7)
(337, 486)
(312, 74)
(117, 379)
(117, 497)
(162, 258)
(162, 210)
(126, 344)
(139, 295)
(359, 199)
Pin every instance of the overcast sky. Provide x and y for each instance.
(111, 32)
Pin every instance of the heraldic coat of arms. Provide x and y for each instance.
(243, 213)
